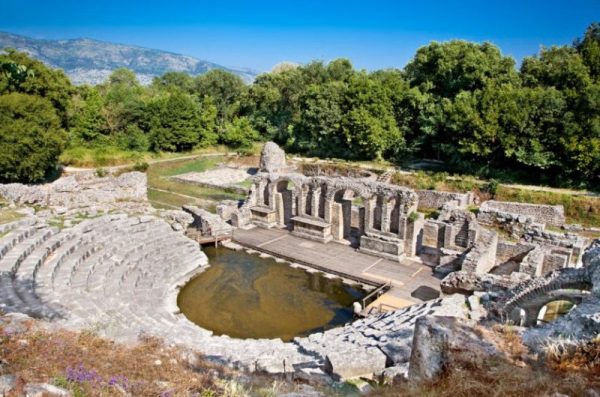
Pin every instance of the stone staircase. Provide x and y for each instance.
(386, 177)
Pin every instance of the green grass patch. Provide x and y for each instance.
(101, 156)
(581, 209)
(430, 213)
(7, 216)
(175, 193)
(247, 183)
(104, 156)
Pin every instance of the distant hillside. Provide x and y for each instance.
(92, 61)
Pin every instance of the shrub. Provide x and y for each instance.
(491, 187)
(141, 166)
(101, 172)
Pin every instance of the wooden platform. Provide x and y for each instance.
(411, 281)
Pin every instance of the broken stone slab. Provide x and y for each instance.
(445, 342)
(392, 375)
(312, 375)
(45, 390)
(355, 363)
(7, 383)
(464, 282)
(398, 351)
(303, 391)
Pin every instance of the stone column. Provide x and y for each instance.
(316, 199)
(337, 221)
(328, 210)
(386, 214)
(260, 190)
(279, 209)
(301, 206)
(369, 208)
(347, 216)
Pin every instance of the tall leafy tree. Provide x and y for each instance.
(446, 69)
(31, 137)
(177, 124)
(589, 49)
(225, 89)
(30, 76)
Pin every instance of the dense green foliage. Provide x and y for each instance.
(34, 106)
(460, 102)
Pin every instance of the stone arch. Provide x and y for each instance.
(347, 219)
(533, 307)
(530, 296)
(283, 199)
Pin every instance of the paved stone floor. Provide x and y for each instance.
(412, 282)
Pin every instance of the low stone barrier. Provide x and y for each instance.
(435, 199)
(548, 214)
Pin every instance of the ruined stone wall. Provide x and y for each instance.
(208, 223)
(435, 199)
(481, 258)
(546, 214)
(511, 251)
(79, 191)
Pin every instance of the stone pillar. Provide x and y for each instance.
(361, 220)
(294, 203)
(260, 192)
(328, 209)
(369, 208)
(386, 214)
(337, 221)
(347, 216)
(279, 209)
(413, 234)
(316, 199)
(301, 206)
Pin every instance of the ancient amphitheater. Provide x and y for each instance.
(115, 265)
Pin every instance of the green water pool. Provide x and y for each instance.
(245, 296)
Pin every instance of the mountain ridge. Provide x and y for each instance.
(90, 61)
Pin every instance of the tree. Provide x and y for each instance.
(37, 79)
(174, 80)
(123, 104)
(240, 135)
(559, 67)
(226, 90)
(589, 49)
(177, 124)
(88, 122)
(31, 138)
(445, 69)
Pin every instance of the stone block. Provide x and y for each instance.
(355, 363)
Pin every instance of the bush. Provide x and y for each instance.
(491, 187)
(101, 172)
(141, 166)
(240, 135)
(133, 139)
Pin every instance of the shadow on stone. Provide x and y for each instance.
(425, 293)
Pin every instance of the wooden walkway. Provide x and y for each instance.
(411, 281)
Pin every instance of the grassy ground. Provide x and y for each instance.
(167, 193)
(87, 157)
(584, 210)
(7, 215)
(580, 207)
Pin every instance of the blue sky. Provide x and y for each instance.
(258, 34)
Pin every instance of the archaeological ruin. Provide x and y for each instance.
(91, 253)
